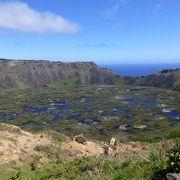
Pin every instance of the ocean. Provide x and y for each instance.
(139, 69)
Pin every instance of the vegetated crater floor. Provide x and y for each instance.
(98, 111)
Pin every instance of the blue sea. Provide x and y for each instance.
(139, 69)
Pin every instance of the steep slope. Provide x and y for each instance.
(21, 73)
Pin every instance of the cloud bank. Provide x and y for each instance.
(19, 16)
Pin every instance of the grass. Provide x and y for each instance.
(64, 82)
(99, 168)
(173, 134)
(89, 168)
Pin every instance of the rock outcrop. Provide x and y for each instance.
(173, 176)
(80, 139)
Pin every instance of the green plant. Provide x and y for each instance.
(17, 175)
(173, 159)
(33, 166)
(166, 162)
(177, 88)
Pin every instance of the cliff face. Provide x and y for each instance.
(17, 74)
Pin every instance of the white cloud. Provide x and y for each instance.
(110, 12)
(113, 9)
(19, 16)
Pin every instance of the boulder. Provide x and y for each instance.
(173, 176)
(80, 139)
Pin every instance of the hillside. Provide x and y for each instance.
(51, 155)
(165, 78)
(22, 73)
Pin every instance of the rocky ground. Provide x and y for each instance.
(75, 149)
(19, 146)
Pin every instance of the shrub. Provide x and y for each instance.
(16, 175)
(173, 159)
(166, 162)
(33, 166)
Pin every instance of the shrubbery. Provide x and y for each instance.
(166, 162)
(173, 159)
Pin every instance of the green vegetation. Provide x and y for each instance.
(64, 82)
(173, 134)
(33, 166)
(90, 168)
(177, 88)
(16, 175)
(166, 160)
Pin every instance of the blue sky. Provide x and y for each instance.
(104, 31)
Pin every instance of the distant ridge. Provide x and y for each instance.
(34, 73)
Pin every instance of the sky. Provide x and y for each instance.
(104, 31)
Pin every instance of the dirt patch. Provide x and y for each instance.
(18, 145)
(75, 149)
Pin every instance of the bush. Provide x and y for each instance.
(17, 175)
(166, 162)
(33, 166)
(173, 159)
(177, 88)
(174, 134)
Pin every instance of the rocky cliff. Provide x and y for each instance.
(22, 73)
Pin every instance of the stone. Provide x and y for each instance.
(173, 176)
(80, 139)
